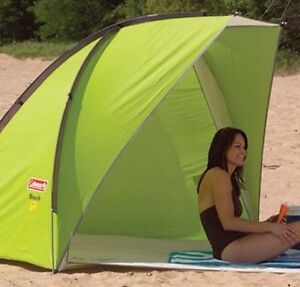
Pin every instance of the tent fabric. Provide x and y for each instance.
(28, 145)
(111, 142)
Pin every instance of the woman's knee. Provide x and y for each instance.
(230, 254)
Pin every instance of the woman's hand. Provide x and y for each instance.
(286, 233)
(274, 218)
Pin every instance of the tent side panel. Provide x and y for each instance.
(242, 62)
(140, 65)
(27, 148)
(151, 190)
(149, 196)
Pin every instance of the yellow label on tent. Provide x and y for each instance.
(33, 206)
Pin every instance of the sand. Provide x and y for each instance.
(280, 182)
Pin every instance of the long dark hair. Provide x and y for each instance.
(221, 142)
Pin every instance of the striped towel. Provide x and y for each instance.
(289, 259)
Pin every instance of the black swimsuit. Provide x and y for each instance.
(217, 236)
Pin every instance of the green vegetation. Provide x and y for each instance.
(28, 28)
(17, 21)
(72, 20)
(287, 63)
(30, 49)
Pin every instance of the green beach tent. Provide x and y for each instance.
(101, 155)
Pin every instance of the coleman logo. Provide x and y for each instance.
(36, 184)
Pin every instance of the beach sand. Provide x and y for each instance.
(280, 183)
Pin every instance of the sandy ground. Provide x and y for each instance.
(280, 182)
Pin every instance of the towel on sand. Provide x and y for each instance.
(289, 259)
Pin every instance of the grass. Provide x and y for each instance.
(286, 62)
(31, 49)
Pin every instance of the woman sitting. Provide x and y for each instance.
(232, 238)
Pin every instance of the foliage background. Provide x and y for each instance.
(72, 20)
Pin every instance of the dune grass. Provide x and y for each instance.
(31, 49)
(286, 62)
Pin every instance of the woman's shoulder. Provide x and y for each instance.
(217, 173)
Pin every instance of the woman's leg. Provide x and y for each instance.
(257, 247)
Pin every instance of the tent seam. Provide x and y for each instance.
(101, 42)
(266, 118)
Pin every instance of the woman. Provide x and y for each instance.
(232, 238)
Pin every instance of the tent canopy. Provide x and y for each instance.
(101, 155)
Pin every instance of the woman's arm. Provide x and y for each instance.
(222, 194)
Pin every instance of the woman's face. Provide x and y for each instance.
(236, 154)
